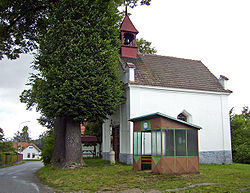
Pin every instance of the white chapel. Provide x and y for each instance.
(181, 88)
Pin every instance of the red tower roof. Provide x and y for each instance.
(127, 25)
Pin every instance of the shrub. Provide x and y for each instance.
(48, 147)
(240, 132)
(6, 146)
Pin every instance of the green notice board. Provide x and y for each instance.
(146, 125)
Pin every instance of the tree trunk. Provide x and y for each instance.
(58, 156)
(73, 144)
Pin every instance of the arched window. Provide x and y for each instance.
(182, 117)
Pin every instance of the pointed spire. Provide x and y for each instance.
(128, 37)
(127, 24)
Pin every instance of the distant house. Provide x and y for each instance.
(29, 150)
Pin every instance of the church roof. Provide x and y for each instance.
(127, 25)
(171, 72)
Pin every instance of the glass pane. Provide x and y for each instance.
(146, 143)
(192, 142)
(180, 141)
(139, 143)
(154, 143)
(169, 137)
(143, 143)
(135, 144)
(158, 143)
(164, 142)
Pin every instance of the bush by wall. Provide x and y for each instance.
(240, 132)
(48, 147)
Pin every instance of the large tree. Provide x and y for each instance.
(23, 21)
(77, 76)
(62, 39)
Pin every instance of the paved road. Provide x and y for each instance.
(22, 179)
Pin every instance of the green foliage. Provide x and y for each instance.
(46, 139)
(22, 136)
(38, 143)
(144, 47)
(5, 146)
(1, 134)
(78, 70)
(132, 3)
(240, 132)
(94, 129)
(45, 122)
(48, 146)
(22, 22)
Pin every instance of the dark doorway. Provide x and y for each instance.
(146, 155)
(116, 141)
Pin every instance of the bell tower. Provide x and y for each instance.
(128, 38)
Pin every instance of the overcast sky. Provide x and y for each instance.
(217, 32)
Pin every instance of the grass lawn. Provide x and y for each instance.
(98, 175)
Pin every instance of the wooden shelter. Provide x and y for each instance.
(91, 142)
(165, 144)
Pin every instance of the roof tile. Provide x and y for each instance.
(164, 71)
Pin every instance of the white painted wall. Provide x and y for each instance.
(208, 109)
(119, 118)
(31, 150)
(106, 136)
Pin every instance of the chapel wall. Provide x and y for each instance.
(208, 110)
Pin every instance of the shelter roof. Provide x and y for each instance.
(157, 114)
(171, 72)
(89, 139)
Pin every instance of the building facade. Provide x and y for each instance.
(31, 152)
(181, 88)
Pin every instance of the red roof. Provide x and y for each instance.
(127, 25)
(24, 145)
(20, 145)
(89, 139)
(34, 145)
